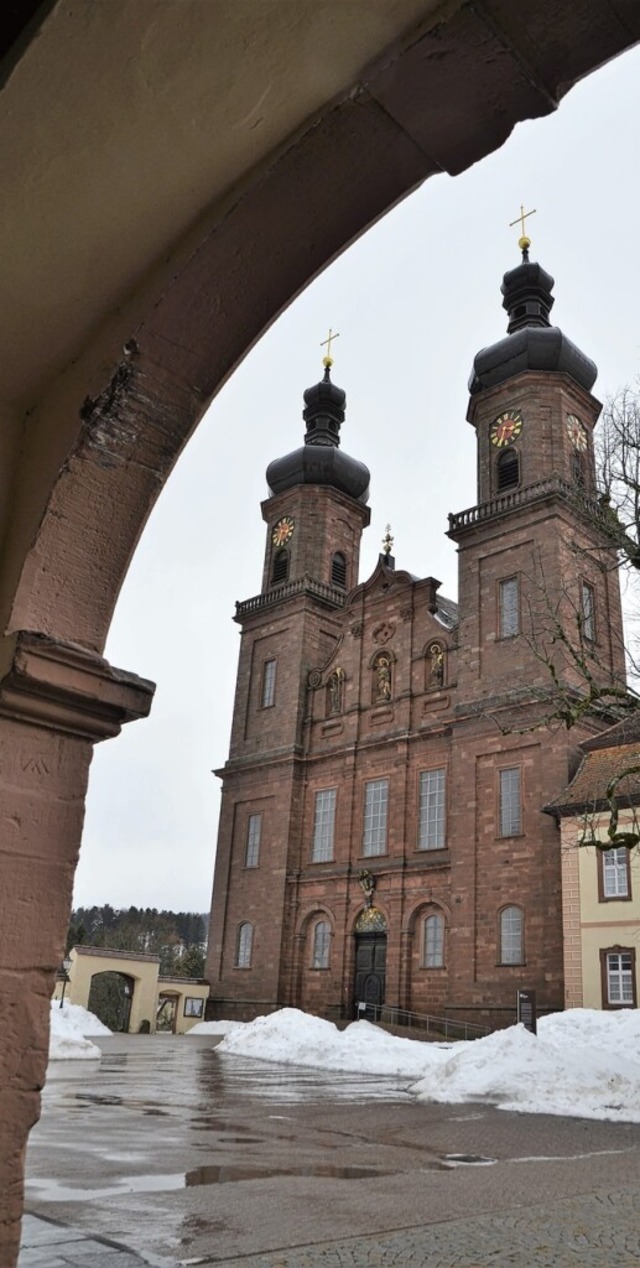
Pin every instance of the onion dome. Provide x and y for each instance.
(320, 460)
(532, 342)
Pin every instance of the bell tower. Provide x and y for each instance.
(315, 514)
(535, 554)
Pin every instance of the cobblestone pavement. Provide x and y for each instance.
(593, 1232)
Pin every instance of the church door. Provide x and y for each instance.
(371, 964)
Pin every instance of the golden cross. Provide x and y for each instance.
(328, 360)
(523, 241)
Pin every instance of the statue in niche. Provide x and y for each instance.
(436, 665)
(383, 677)
(335, 691)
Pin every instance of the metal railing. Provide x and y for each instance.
(430, 1027)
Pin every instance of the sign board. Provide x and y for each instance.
(526, 1010)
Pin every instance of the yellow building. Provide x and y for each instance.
(150, 1002)
(601, 887)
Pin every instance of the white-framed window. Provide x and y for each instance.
(431, 834)
(244, 945)
(254, 833)
(509, 607)
(321, 944)
(511, 936)
(619, 978)
(588, 611)
(324, 816)
(193, 1007)
(615, 873)
(268, 684)
(376, 802)
(433, 942)
(510, 798)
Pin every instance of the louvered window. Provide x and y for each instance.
(280, 570)
(508, 470)
(339, 570)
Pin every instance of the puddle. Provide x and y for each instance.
(46, 1190)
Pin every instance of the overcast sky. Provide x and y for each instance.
(414, 299)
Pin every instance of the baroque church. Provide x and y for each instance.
(382, 834)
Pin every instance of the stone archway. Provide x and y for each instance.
(97, 427)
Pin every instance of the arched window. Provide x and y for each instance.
(244, 946)
(579, 468)
(511, 936)
(321, 945)
(508, 467)
(339, 570)
(433, 942)
(280, 568)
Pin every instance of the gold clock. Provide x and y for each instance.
(577, 432)
(282, 532)
(506, 428)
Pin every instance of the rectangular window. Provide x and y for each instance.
(510, 802)
(615, 878)
(324, 815)
(619, 978)
(588, 611)
(376, 800)
(509, 607)
(511, 940)
(268, 684)
(254, 832)
(193, 1007)
(431, 817)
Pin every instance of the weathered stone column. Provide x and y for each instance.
(56, 701)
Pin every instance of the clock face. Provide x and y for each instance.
(577, 432)
(506, 428)
(282, 532)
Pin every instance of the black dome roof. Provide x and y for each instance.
(532, 342)
(320, 460)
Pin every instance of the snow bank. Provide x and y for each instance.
(583, 1063)
(69, 1027)
(214, 1027)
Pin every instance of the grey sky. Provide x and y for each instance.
(414, 299)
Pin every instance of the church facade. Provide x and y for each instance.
(382, 836)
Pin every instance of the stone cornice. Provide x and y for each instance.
(68, 688)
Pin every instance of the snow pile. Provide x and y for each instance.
(214, 1027)
(69, 1027)
(583, 1063)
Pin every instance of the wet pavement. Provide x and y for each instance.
(168, 1153)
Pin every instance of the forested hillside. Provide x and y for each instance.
(178, 938)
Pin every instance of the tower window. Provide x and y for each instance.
(376, 800)
(431, 822)
(508, 469)
(268, 684)
(324, 815)
(339, 570)
(509, 607)
(280, 569)
(321, 945)
(244, 946)
(254, 832)
(588, 611)
(511, 940)
(433, 942)
(578, 466)
(510, 802)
